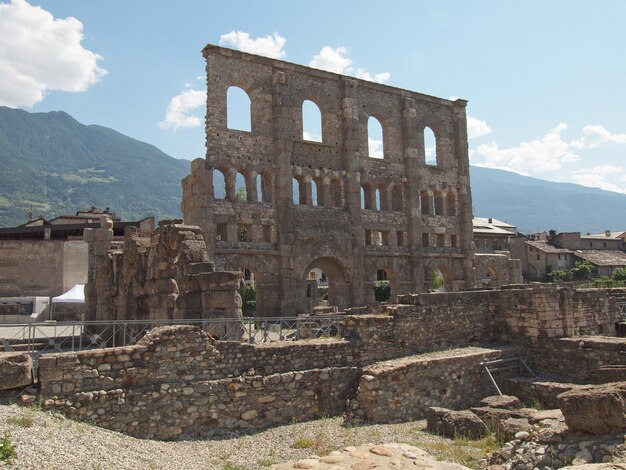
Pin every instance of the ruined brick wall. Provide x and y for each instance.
(165, 274)
(201, 386)
(416, 216)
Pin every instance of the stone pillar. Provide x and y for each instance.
(221, 303)
(463, 190)
(198, 201)
(412, 164)
(99, 289)
(352, 187)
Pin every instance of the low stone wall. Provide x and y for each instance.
(537, 392)
(405, 388)
(586, 359)
(206, 408)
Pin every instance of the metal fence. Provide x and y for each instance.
(622, 309)
(37, 338)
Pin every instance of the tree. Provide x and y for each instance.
(241, 194)
(619, 274)
(584, 270)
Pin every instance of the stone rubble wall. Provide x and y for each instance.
(404, 389)
(180, 375)
(206, 408)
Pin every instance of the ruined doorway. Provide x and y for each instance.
(326, 275)
(382, 286)
(248, 293)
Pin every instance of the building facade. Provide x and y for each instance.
(278, 203)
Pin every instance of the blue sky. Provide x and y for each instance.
(545, 80)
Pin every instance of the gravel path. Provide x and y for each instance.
(43, 440)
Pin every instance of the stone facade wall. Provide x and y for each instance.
(31, 268)
(404, 389)
(416, 216)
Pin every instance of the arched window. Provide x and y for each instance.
(450, 204)
(377, 200)
(299, 192)
(219, 185)
(311, 122)
(314, 193)
(425, 203)
(366, 197)
(375, 139)
(238, 109)
(241, 191)
(430, 146)
(397, 198)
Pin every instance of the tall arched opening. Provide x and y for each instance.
(327, 273)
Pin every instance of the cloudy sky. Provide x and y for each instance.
(546, 81)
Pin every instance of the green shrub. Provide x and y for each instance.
(560, 275)
(382, 291)
(620, 274)
(322, 292)
(7, 449)
(584, 270)
(248, 299)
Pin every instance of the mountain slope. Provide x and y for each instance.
(55, 165)
(534, 205)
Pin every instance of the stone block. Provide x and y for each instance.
(501, 401)
(455, 423)
(597, 409)
(16, 370)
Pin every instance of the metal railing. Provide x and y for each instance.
(622, 309)
(38, 338)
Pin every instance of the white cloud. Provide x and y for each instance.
(375, 148)
(179, 112)
(595, 136)
(269, 46)
(548, 153)
(337, 61)
(596, 177)
(477, 127)
(311, 137)
(39, 53)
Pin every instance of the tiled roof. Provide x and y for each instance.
(547, 248)
(603, 257)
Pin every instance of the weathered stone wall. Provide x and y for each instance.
(416, 215)
(31, 268)
(162, 275)
(404, 389)
(587, 359)
(202, 386)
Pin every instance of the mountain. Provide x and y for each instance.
(52, 164)
(534, 205)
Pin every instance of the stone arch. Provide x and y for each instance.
(312, 121)
(264, 188)
(367, 197)
(430, 146)
(446, 273)
(375, 138)
(219, 184)
(385, 273)
(238, 109)
(338, 280)
(438, 202)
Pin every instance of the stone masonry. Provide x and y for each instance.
(391, 362)
(162, 275)
(356, 218)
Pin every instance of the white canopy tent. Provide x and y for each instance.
(76, 295)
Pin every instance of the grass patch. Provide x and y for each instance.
(7, 450)
(303, 443)
(24, 421)
(230, 466)
(461, 450)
